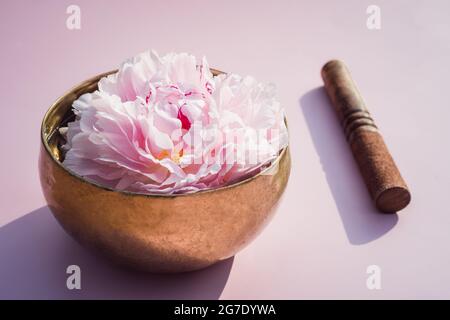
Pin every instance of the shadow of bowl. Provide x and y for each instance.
(36, 253)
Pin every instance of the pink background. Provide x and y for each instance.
(326, 231)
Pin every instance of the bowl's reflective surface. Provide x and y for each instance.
(155, 233)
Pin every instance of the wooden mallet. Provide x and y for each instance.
(382, 177)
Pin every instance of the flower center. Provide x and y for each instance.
(175, 156)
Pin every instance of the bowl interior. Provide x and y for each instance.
(61, 113)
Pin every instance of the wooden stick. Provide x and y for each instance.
(382, 177)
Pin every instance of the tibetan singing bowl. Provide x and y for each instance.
(155, 233)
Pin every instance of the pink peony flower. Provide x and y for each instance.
(166, 125)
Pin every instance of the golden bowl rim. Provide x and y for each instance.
(97, 78)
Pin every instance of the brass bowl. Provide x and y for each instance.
(155, 233)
